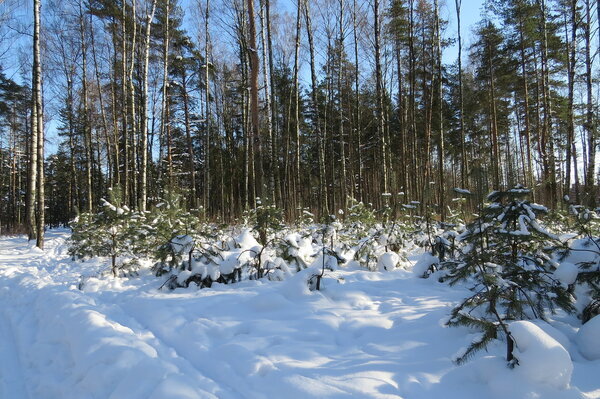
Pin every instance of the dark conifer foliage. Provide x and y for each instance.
(284, 102)
(507, 253)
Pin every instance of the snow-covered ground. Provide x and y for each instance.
(365, 335)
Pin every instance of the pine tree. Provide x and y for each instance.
(114, 232)
(168, 224)
(507, 254)
(589, 275)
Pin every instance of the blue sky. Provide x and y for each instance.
(470, 15)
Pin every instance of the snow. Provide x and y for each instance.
(364, 335)
(566, 273)
(182, 244)
(462, 191)
(247, 241)
(588, 339)
(424, 263)
(541, 358)
(519, 190)
(387, 261)
(229, 264)
(107, 204)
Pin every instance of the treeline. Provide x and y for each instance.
(304, 105)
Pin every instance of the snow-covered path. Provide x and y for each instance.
(11, 376)
(62, 343)
(366, 335)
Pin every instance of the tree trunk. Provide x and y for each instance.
(379, 94)
(268, 84)
(143, 191)
(124, 116)
(111, 147)
(74, 187)
(297, 193)
(190, 143)
(273, 148)
(207, 138)
(38, 143)
(357, 127)
(571, 65)
(323, 197)
(87, 131)
(254, 111)
(132, 195)
(463, 152)
(550, 177)
(530, 173)
(340, 88)
(589, 122)
(33, 140)
(164, 114)
(438, 37)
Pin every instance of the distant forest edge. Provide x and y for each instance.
(307, 105)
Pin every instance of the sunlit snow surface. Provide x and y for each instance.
(365, 335)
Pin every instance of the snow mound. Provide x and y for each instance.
(387, 261)
(245, 240)
(541, 358)
(424, 263)
(588, 339)
(182, 244)
(566, 273)
(229, 264)
(84, 342)
(558, 335)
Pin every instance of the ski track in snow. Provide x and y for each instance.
(11, 377)
(366, 335)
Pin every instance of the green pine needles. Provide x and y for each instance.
(507, 257)
(113, 232)
(588, 224)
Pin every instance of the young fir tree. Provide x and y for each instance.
(507, 254)
(265, 220)
(360, 227)
(588, 225)
(115, 232)
(169, 228)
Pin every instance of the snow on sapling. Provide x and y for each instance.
(443, 248)
(259, 261)
(211, 259)
(360, 219)
(207, 271)
(507, 256)
(381, 240)
(461, 208)
(113, 232)
(169, 225)
(265, 220)
(327, 258)
(391, 238)
(409, 215)
(296, 250)
(305, 219)
(368, 250)
(559, 222)
(587, 339)
(428, 234)
(187, 248)
(588, 225)
(361, 227)
(258, 258)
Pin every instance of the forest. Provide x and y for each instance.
(306, 106)
(259, 199)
